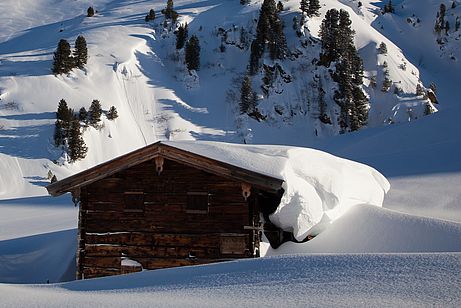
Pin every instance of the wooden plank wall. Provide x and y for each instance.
(165, 234)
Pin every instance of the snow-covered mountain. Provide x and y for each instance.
(134, 66)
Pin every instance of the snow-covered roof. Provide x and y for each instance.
(318, 187)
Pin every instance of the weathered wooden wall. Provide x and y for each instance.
(165, 233)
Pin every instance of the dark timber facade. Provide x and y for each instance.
(161, 206)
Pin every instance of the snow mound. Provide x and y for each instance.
(319, 187)
(368, 229)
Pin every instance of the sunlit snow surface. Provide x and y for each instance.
(399, 280)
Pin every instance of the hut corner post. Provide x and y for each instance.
(80, 235)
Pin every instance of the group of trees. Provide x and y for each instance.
(65, 59)
(269, 32)
(337, 39)
(67, 132)
(192, 47)
(310, 7)
(440, 22)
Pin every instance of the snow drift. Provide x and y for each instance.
(319, 187)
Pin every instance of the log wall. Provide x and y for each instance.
(163, 231)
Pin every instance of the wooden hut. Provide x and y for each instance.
(161, 206)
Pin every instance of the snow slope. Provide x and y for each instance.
(361, 280)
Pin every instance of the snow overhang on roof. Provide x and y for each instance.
(182, 152)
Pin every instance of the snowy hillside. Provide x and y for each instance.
(134, 65)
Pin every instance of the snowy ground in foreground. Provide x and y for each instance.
(298, 280)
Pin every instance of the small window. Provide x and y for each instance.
(134, 201)
(197, 202)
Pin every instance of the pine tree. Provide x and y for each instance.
(382, 48)
(193, 53)
(181, 36)
(279, 6)
(112, 114)
(83, 115)
(440, 19)
(329, 32)
(345, 35)
(169, 12)
(150, 16)
(313, 9)
(269, 30)
(80, 52)
(94, 113)
(304, 6)
(64, 116)
(77, 147)
(62, 60)
(247, 97)
(58, 134)
(389, 7)
(90, 12)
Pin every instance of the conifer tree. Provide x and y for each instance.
(304, 6)
(181, 36)
(64, 116)
(150, 16)
(80, 52)
(77, 147)
(345, 35)
(382, 48)
(90, 12)
(329, 33)
(83, 115)
(112, 114)
(313, 8)
(62, 60)
(389, 7)
(58, 133)
(279, 6)
(169, 12)
(269, 30)
(94, 113)
(247, 97)
(193, 53)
